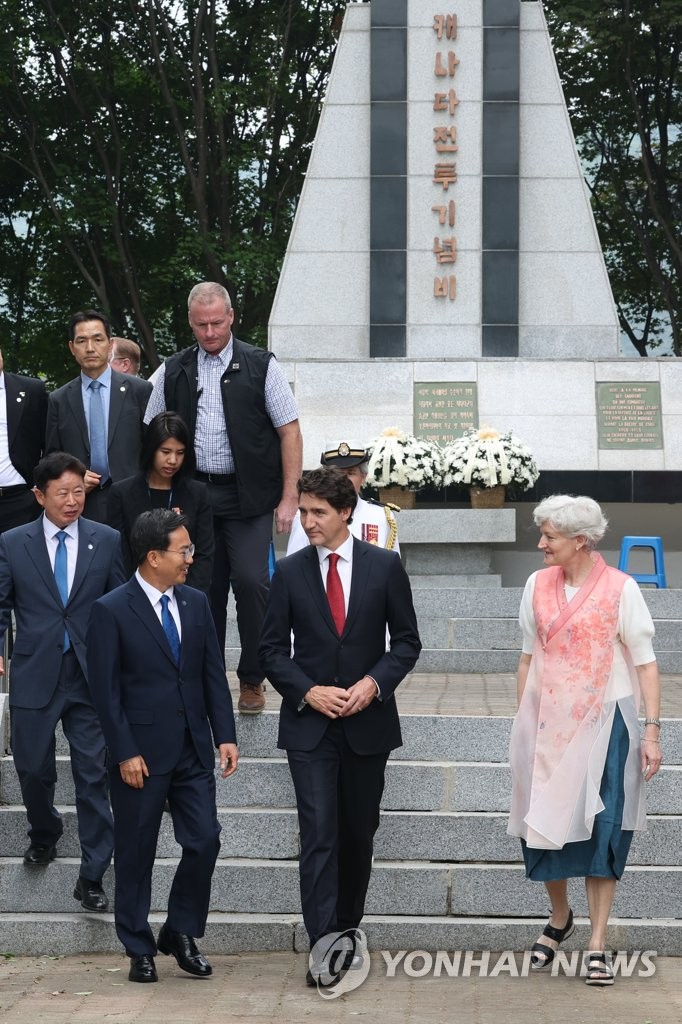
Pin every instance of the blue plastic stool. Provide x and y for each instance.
(656, 545)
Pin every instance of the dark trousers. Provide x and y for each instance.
(33, 748)
(97, 504)
(240, 560)
(190, 791)
(18, 509)
(338, 793)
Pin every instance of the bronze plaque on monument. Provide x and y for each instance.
(629, 414)
(445, 410)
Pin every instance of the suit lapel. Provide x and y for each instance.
(183, 608)
(358, 582)
(74, 397)
(87, 547)
(141, 605)
(313, 579)
(16, 403)
(117, 398)
(36, 549)
(359, 578)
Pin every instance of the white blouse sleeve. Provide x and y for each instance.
(635, 625)
(526, 617)
(297, 538)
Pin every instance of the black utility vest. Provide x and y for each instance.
(254, 441)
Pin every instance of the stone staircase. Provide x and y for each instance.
(467, 629)
(446, 874)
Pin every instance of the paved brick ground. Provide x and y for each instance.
(259, 988)
(476, 694)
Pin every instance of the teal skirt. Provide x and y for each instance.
(604, 854)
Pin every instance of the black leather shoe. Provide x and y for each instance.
(184, 949)
(91, 895)
(40, 854)
(142, 968)
(319, 975)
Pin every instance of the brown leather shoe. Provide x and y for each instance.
(251, 698)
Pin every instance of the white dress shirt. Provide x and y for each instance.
(71, 543)
(344, 566)
(155, 596)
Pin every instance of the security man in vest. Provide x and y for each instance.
(247, 442)
(372, 521)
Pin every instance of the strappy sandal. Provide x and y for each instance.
(599, 971)
(557, 935)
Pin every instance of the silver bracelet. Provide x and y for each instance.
(652, 721)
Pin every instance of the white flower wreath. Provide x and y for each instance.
(399, 459)
(485, 458)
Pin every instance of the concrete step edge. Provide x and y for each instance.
(379, 864)
(225, 808)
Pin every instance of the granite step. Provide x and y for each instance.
(410, 785)
(416, 887)
(504, 602)
(462, 836)
(505, 634)
(425, 738)
(485, 661)
(440, 597)
(66, 934)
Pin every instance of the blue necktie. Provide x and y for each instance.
(99, 459)
(61, 575)
(170, 629)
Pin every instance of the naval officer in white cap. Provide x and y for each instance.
(372, 521)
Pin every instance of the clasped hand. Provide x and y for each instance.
(337, 702)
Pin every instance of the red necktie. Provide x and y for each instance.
(335, 594)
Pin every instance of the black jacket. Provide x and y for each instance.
(128, 498)
(26, 416)
(254, 440)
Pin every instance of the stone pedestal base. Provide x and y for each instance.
(453, 542)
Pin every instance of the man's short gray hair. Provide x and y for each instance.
(573, 517)
(207, 291)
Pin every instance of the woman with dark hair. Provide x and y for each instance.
(165, 481)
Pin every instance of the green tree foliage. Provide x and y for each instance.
(146, 145)
(619, 62)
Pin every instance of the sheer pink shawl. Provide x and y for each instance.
(561, 732)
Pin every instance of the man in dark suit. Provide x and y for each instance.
(51, 571)
(159, 687)
(23, 409)
(98, 415)
(338, 721)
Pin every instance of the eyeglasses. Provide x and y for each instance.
(186, 553)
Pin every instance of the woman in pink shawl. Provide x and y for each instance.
(578, 759)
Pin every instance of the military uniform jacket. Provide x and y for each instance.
(371, 523)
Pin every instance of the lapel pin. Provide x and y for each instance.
(89, 547)
(19, 399)
(122, 388)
